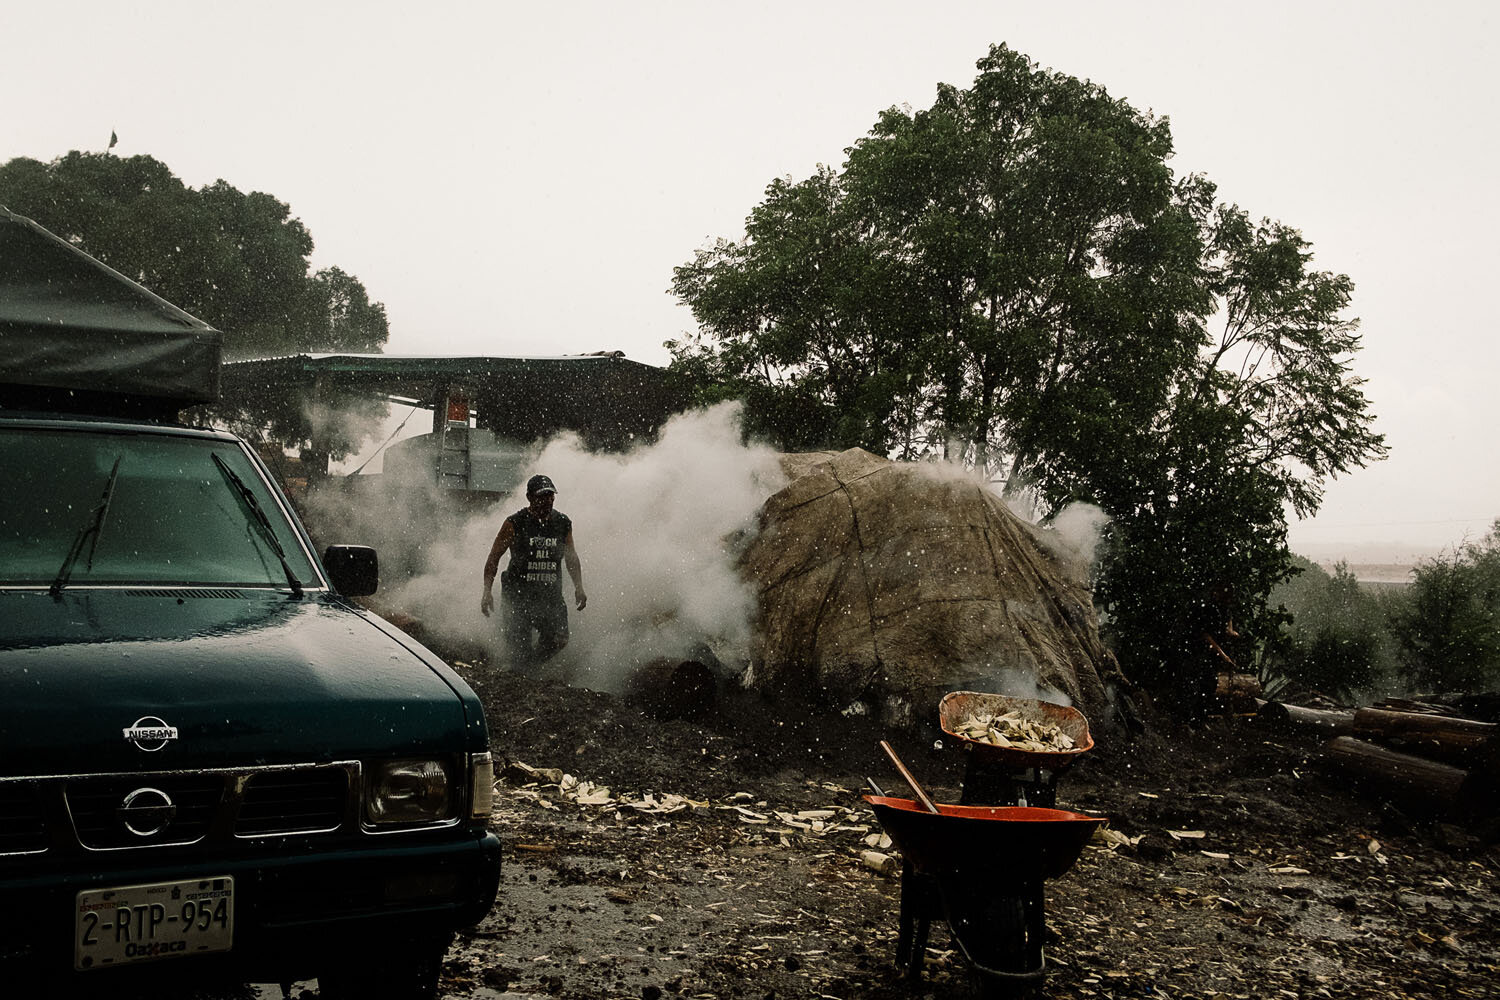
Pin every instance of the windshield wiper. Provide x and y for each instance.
(263, 523)
(90, 531)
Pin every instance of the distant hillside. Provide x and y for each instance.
(1393, 574)
(1382, 564)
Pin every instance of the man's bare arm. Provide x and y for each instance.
(506, 535)
(575, 570)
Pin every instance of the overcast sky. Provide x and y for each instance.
(521, 179)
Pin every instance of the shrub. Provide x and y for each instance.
(1449, 626)
(1338, 640)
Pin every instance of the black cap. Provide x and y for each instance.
(539, 484)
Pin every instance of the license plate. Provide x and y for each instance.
(142, 923)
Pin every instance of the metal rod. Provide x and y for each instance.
(910, 778)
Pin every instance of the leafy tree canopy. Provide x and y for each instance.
(238, 261)
(1016, 278)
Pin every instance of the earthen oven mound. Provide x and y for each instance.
(883, 585)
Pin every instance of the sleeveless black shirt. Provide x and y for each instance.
(536, 556)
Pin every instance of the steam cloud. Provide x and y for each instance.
(1074, 536)
(657, 530)
(350, 427)
(654, 529)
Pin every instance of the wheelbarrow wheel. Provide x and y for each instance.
(998, 930)
(987, 987)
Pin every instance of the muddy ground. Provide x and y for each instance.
(692, 874)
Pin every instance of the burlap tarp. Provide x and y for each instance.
(884, 584)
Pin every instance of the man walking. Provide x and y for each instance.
(540, 541)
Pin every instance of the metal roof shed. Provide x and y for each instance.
(607, 399)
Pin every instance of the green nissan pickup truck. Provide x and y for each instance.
(212, 763)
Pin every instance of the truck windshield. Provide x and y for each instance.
(174, 516)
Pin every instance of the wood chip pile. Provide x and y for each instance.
(1014, 731)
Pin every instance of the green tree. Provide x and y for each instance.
(344, 318)
(238, 261)
(804, 319)
(1259, 419)
(1449, 626)
(1016, 278)
(1039, 223)
(1191, 554)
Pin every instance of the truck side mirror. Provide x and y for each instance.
(354, 569)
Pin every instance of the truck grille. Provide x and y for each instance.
(294, 802)
(22, 827)
(103, 820)
(124, 811)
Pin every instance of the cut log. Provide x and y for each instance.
(1414, 705)
(1237, 694)
(1411, 780)
(1320, 722)
(1479, 707)
(1455, 741)
(1485, 707)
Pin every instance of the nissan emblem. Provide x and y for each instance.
(149, 733)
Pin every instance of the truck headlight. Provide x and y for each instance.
(409, 791)
(481, 785)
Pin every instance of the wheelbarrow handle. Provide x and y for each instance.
(910, 778)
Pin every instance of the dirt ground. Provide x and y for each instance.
(722, 858)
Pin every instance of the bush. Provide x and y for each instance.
(1449, 626)
(1338, 641)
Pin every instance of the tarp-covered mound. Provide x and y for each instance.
(883, 585)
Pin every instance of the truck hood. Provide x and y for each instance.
(244, 677)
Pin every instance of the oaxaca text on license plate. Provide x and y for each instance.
(139, 923)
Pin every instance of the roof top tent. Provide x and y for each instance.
(78, 336)
(608, 400)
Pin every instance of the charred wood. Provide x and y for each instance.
(672, 689)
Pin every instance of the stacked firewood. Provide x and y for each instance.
(1421, 753)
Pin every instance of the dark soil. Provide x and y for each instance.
(1282, 882)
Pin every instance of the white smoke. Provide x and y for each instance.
(347, 428)
(1019, 684)
(1074, 536)
(654, 529)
